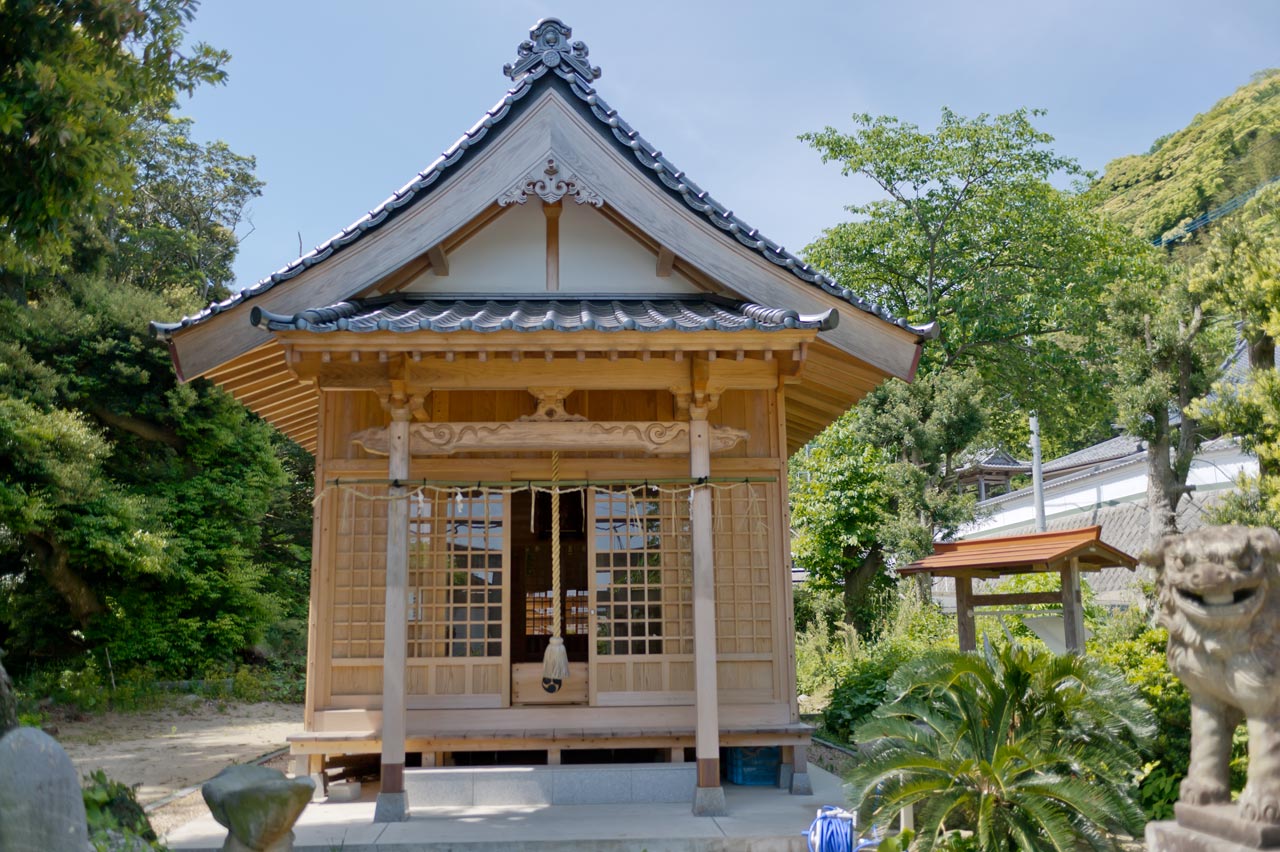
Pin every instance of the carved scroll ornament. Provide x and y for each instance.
(550, 186)
(659, 438)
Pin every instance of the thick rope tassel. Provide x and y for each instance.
(555, 663)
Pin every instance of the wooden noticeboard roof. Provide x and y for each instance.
(1021, 554)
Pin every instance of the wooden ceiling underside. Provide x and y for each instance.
(830, 382)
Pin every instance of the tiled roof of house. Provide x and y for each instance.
(450, 313)
(992, 458)
(1110, 450)
(546, 58)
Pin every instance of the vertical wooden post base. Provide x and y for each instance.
(800, 783)
(708, 772)
(708, 796)
(392, 804)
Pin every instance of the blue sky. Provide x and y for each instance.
(342, 103)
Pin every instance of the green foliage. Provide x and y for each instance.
(1166, 353)
(83, 686)
(1239, 274)
(1025, 749)
(74, 75)
(1131, 645)
(112, 809)
(973, 236)
(876, 486)
(179, 230)
(1223, 152)
(860, 667)
(153, 536)
(816, 605)
(157, 523)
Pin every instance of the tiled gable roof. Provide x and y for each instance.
(1112, 449)
(548, 57)
(447, 313)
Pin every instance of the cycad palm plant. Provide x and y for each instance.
(1025, 749)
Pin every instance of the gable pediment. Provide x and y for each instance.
(548, 127)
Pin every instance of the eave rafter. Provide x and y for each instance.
(560, 362)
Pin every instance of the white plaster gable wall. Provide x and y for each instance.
(509, 256)
(596, 256)
(1213, 469)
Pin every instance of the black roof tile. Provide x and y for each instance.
(450, 313)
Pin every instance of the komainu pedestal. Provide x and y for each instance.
(1219, 597)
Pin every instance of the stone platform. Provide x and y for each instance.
(1210, 828)
(760, 819)
(552, 785)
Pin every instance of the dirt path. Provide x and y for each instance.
(166, 750)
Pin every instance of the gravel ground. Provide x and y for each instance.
(171, 815)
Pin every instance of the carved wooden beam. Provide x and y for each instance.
(659, 438)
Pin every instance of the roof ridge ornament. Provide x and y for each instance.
(549, 45)
(550, 186)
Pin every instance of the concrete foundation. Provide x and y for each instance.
(709, 802)
(1213, 828)
(391, 807)
(759, 819)
(800, 784)
(609, 784)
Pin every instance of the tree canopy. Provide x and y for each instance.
(159, 524)
(74, 78)
(973, 235)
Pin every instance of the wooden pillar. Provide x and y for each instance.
(392, 805)
(1072, 608)
(709, 795)
(964, 614)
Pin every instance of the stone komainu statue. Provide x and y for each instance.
(1219, 597)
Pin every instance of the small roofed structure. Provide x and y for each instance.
(1065, 553)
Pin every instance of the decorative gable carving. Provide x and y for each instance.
(550, 185)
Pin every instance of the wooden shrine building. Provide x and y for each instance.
(551, 304)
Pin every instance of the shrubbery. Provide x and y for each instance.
(860, 668)
(1008, 749)
(116, 820)
(1130, 644)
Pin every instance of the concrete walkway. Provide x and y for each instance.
(761, 819)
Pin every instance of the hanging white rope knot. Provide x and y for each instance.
(555, 663)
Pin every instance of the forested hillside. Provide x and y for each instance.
(1209, 196)
(1228, 150)
(143, 523)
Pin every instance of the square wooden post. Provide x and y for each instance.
(393, 805)
(708, 795)
(1072, 608)
(964, 614)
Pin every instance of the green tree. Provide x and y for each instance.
(1025, 749)
(1226, 150)
(74, 77)
(1167, 354)
(1239, 274)
(179, 229)
(838, 499)
(131, 459)
(972, 235)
